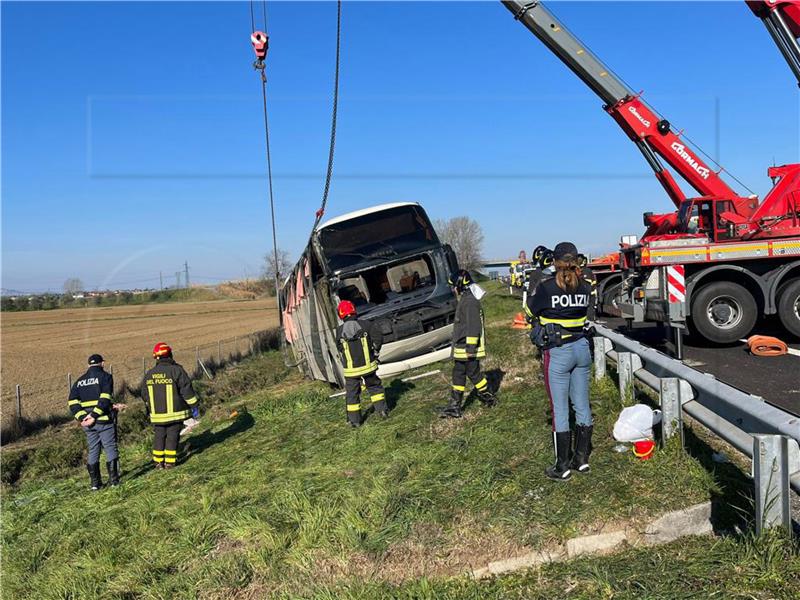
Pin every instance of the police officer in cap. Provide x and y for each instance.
(560, 306)
(91, 403)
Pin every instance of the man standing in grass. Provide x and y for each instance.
(169, 399)
(90, 402)
(469, 345)
(359, 345)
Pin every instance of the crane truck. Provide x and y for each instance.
(720, 260)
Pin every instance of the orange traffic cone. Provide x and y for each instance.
(519, 322)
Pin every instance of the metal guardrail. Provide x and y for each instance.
(766, 434)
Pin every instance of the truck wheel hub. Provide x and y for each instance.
(724, 312)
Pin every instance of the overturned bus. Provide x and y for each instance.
(389, 262)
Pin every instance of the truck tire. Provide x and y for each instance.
(724, 312)
(608, 305)
(789, 307)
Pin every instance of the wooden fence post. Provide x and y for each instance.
(219, 352)
(19, 404)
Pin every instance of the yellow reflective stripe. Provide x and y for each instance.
(365, 349)
(151, 399)
(89, 403)
(358, 371)
(98, 411)
(170, 399)
(347, 357)
(170, 452)
(564, 322)
(73, 402)
(459, 388)
(106, 396)
(481, 384)
(170, 459)
(353, 407)
(104, 418)
(80, 414)
(528, 311)
(378, 397)
(165, 418)
(191, 401)
(472, 341)
(158, 452)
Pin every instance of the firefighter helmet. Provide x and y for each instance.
(161, 349)
(345, 309)
(537, 253)
(546, 259)
(460, 280)
(582, 260)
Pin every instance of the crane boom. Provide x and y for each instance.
(651, 134)
(782, 20)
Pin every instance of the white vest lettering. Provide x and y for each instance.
(569, 300)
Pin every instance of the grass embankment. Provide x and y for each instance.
(286, 501)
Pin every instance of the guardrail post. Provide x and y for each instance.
(69, 382)
(771, 476)
(219, 352)
(627, 364)
(601, 346)
(674, 393)
(144, 367)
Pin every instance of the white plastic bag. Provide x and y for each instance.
(477, 291)
(636, 423)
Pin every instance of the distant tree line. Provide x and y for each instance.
(50, 301)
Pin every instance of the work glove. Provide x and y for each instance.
(472, 350)
(195, 412)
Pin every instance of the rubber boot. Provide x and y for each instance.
(354, 419)
(113, 472)
(560, 470)
(453, 409)
(487, 398)
(94, 476)
(583, 447)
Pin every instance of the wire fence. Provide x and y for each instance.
(33, 405)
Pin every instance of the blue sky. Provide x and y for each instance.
(132, 137)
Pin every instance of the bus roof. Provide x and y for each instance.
(362, 212)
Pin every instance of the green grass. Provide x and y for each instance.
(285, 500)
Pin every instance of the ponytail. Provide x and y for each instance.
(568, 273)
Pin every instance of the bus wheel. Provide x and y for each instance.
(789, 306)
(724, 312)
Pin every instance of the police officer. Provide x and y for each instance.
(91, 403)
(560, 306)
(469, 346)
(359, 344)
(169, 399)
(591, 278)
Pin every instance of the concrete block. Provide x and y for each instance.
(592, 544)
(695, 520)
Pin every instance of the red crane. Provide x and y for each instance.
(782, 20)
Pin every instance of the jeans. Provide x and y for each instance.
(566, 377)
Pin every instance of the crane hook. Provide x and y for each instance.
(260, 41)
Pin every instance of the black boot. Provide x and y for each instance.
(453, 409)
(113, 472)
(560, 470)
(487, 398)
(94, 476)
(583, 447)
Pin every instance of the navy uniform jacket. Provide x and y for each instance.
(92, 394)
(551, 304)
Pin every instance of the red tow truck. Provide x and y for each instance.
(720, 260)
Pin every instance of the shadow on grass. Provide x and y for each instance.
(395, 390)
(494, 377)
(198, 444)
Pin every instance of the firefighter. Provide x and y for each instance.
(91, 403)
(360, 343)
(560, 306)
(169, 399)
(469, 345)
(591, 279)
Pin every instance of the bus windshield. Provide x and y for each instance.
(374, 236)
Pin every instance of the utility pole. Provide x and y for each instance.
(161, 280)
(177, 279)
(186, 271)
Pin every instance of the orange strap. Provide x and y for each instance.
(764, 345)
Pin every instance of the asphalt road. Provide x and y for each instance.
(776, 379)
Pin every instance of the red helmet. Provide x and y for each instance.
(161, 349)
(346, 308)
